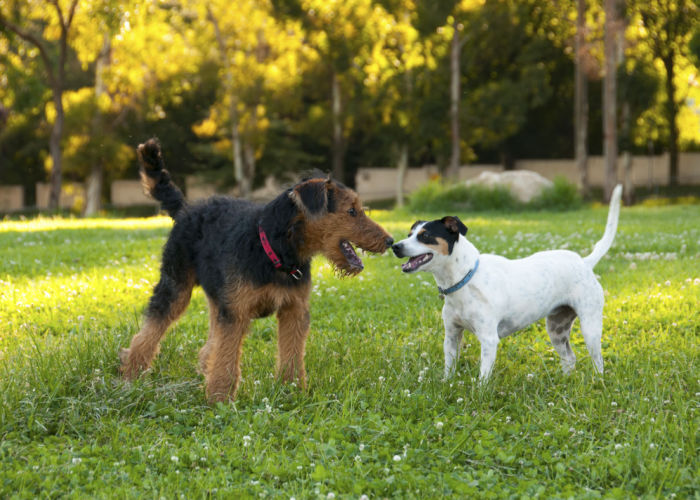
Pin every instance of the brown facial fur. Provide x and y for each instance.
(441, 246)
(324, 234)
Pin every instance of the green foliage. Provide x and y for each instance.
(563, 195)
(377, 418)
(436, 196)
(168, 74)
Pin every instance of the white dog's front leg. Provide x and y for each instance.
(453, 339)
(489, 346)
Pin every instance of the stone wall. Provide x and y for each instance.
(11, 198)
(72, 196)
(376, 183)
(128, 194)
(647, 171)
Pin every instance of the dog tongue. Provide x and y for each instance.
(350, 255)
(412, 263)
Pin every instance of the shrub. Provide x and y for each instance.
(436, 196)
(563, 195)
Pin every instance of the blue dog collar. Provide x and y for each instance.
(465, 280)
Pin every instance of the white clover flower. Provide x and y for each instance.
(364, 497)
(613, 403)
(246, 440)
(362, 446)
(460, 400)
(397, 458)
(550, 404)
(330, 495)
(438, 425)
(174, 459)
(618, 446)
(530, 376)
(77, 460)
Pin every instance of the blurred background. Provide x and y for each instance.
(386, 95)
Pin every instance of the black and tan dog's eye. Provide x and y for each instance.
(352, 212)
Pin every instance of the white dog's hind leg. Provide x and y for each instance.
(592, 330)
(453, 339)
(559, 329)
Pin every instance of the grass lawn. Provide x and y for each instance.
(377, 419)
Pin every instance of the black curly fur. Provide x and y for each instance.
(156, 180)
(218, 238)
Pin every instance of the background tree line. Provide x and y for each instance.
(241, 90)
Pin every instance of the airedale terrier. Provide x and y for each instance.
(251, 260)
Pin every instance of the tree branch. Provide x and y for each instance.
(29, 37)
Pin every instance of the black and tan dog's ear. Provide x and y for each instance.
(311, 196)
(454, 225)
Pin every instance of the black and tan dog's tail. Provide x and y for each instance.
(156, 180)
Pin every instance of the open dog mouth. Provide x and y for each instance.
(414, 263)
(350, 255)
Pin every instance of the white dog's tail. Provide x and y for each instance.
(602, 247)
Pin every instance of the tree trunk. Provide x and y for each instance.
(337, 108)
(402, 167)
(626, 155)
(94, 190)
(237, 150)
(55, 150)
(581, 100)
(238, 167)
(671, 116)
(610, 99)
(94, 182)
(249, 155)
(455, 50)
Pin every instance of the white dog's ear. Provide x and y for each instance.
(454, 225)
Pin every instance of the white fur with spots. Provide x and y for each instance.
(506, 295)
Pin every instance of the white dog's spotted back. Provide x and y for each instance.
(502, 296)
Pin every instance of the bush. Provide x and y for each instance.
(436, 196)
(563, 195)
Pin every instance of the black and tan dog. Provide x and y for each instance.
(251, 260)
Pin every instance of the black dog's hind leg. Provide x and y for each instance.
(169, 300)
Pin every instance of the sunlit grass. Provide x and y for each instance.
(377, 418)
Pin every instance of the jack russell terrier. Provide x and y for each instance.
(493, 296)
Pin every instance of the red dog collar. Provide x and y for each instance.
(294, 273)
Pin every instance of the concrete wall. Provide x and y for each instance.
(11, 198)
(129, 193)
(72, 196)
(380, 183)
(376, 183)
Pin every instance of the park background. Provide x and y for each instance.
(246, 95)
(243, 92)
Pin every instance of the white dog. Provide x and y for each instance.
(493, 296)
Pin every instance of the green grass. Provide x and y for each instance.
(377, 419)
